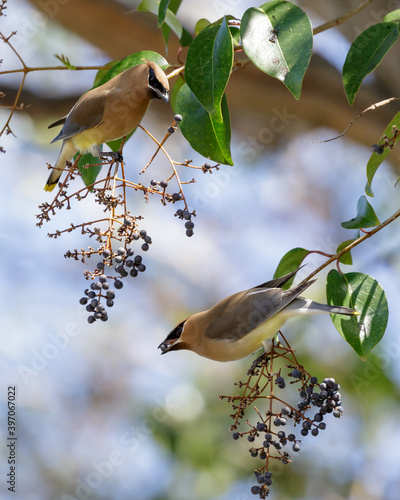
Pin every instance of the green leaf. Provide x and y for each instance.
(162, 11)
(186, 38)
(206, 136)
(102, 72)
(289, 262)
(170, 20)
(116, 144)
(392, 16)
(277, 37)
(376, 159)
(346, 258)
(180, 81)
(201, 25)
(208, 66)
(65, 61)
(365, 54)
(130, 61)
(89, 174)
(364, 294)
(365, 217)
(236, 37)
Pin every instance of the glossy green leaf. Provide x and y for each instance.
(102, 72)
(365, 54)
(89, 174)
(206, 136)
(201, 25)
(162, 11)
(186, 38)
(289, 262)
(277, 37)
(364, 294)
(376, 159)
(392, 16)
(346, 258)
(130, 61)
(365, 217)
(236, 37)
(170, 19)
(116, 144)
(208, 66)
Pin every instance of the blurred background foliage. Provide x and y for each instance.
(100, 414)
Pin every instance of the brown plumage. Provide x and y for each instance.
(108, 112)
(244, 321)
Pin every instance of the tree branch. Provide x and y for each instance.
(353, 245)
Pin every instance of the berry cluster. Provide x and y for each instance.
(126, 264)
(116, 225)
(187, 217)
(273, 435)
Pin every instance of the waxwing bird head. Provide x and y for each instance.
(158, 82)
(173, 341)
(245, 321)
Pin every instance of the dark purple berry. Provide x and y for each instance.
(296, 447)
(118, 284)
(376, 148)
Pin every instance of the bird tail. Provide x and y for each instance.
(67, 152)
(308, 306)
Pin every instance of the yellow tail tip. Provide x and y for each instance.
(50, 187)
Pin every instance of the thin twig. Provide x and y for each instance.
(176, 72)
(373, 107)
(352, 245)
(341, 19)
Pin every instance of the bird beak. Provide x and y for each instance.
(165, 347)
(174, 337)
(163, 95)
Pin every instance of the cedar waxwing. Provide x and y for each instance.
(240, 324)
(107, 113)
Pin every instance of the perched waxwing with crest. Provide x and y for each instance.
(242, 323)
(108, 112)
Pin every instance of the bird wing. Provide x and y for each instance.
(61, 121)
(87, 113)
(248, 310)
(279, 282)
